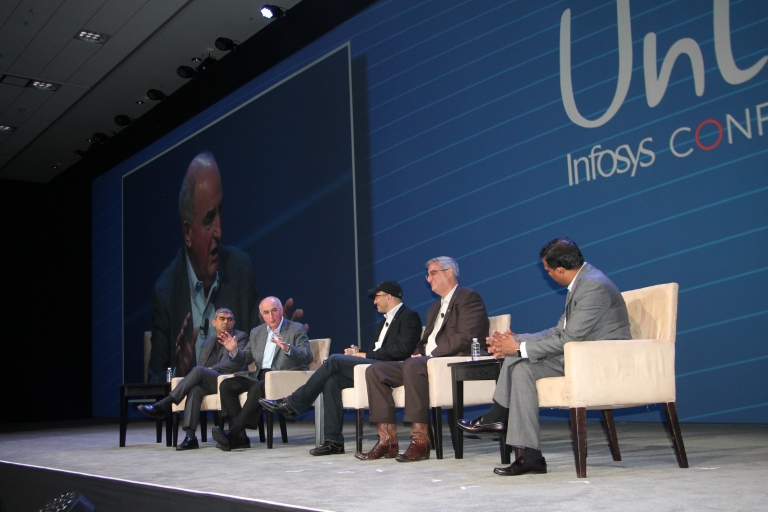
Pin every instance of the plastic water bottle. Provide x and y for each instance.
(475, 349)
(169, 373)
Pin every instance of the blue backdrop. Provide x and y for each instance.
(485, 128)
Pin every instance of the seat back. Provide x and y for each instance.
(147, 353)
(653, 312)
(499, 323)
(320, 348)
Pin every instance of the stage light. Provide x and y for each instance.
(156, 95)
(92, 37)
(71, 501)
(7, 129)
(186, 72)
(272, 11)
(123, 120)
(44, 86)
(225, 45)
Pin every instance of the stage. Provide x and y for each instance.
(728, 470)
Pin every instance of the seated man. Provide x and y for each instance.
(594, 310)
(214, 360)
(277, 344)
(398, 334)
(452, 322)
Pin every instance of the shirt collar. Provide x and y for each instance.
(389, 315)
(576, 276)
(279, 326)
(447, 300)
(194, 282)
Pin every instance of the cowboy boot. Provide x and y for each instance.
(386, 447)
(419, 447)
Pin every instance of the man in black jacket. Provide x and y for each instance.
(397, 336)
(202, 380)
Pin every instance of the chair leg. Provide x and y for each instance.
(610, 427)
(175, 428)
(283, 430)
(579, 430)
(159, 430)
(437, 421)
(261, 427)
(204, 426)
(270, 426)
(452, 428)
(359, 430)
(670, 410)
(504, 450)
(217, 420)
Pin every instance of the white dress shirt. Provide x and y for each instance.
(388, 316)
(432, 340)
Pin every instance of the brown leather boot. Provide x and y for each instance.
(386, 447)
(419, 447)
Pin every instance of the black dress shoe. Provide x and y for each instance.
(477, 426)
(278, 406)
(521, 467)
(189, 443)
(327, 448)
(226, 442)
(153, 411)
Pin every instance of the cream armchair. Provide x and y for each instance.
(614, 374)
(210, 403)
(279, 384)
(441, 387)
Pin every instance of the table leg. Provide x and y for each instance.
(458, 412)
(123, 416)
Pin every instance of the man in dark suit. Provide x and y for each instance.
(214, 360)
(277, 344)
(396, 339)
(594, 310)
(203, 275)
(452, 322)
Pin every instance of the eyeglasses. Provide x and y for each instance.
(378, 296)
(433, 272)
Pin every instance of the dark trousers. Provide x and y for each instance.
(248, 414)
(199, 382)
(334, 375)
(383, 376)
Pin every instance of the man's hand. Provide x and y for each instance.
(502, 344)
(296, 316)
(354, 354)
(185, 347)
(228, 341)
(278, 340)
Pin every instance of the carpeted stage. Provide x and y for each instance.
(728, 471)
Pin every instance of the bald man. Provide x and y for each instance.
(203, 276)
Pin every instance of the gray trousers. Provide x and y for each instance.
(516, 390)
(199, 382)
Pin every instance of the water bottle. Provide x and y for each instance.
(169, 373)
(475, 349)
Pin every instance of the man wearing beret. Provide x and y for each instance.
(396, 339)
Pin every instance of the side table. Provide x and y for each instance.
(145, 390)
(484, 369)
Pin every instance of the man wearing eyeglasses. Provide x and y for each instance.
(452, 322)
(398, 334)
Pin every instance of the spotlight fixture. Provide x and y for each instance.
(186, 72)
(123, 120)
(156, 95)
(226, 45)
(44, 86)
(7, 129)
(92, 37)
(272, 11)
(139, 102)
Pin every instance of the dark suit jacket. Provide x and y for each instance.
(466, 318)
(213, 355)
(171, 303)
(293, 333)
(595, 310)
(401, 339)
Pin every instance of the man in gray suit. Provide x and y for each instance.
(277, 344)
(594, 310)
(214, 360)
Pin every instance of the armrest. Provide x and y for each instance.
(281, 383)
(619, 372)
(360, 398)
(175, 382)
(441, 383)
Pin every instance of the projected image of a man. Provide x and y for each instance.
(203, 276)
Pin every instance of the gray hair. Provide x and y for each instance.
(279, 304)
(445, 263)
(224, 310)
(187, 193)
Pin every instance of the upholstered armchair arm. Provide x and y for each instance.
(359, 397)
(619, 373)
(441, 384)
(281, 383)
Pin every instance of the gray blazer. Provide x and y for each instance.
(293, 333)
(595, 310)
(213, 355)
